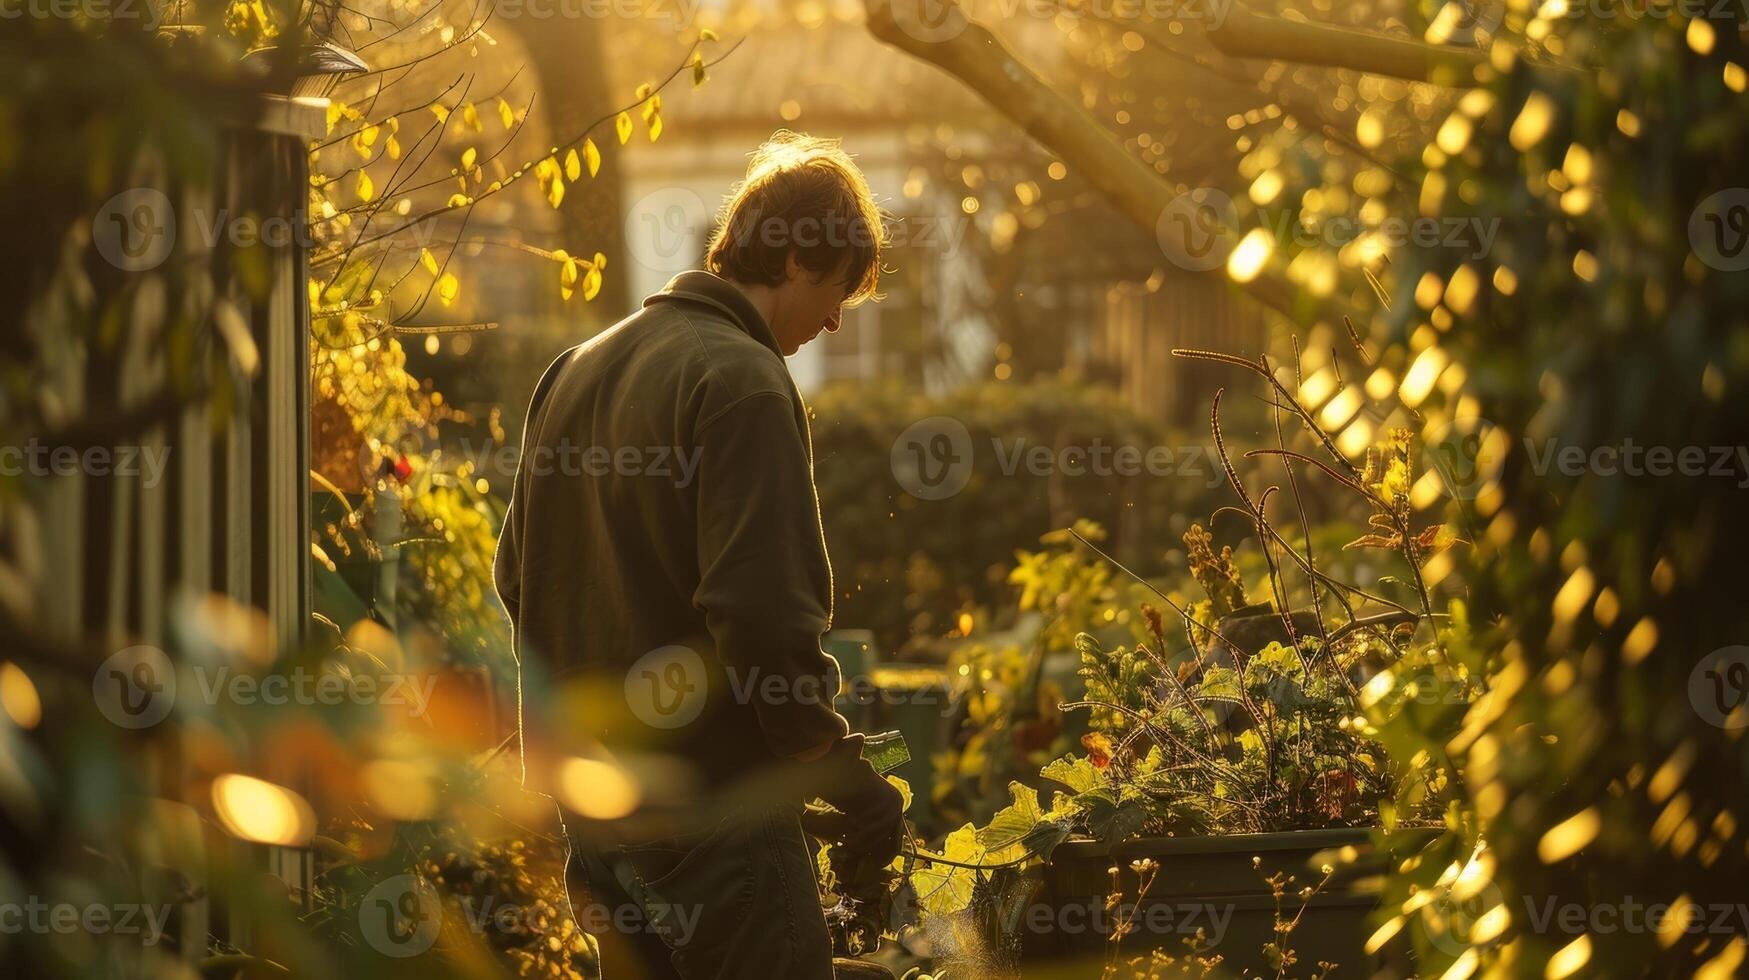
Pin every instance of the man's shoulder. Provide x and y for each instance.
(708, 346)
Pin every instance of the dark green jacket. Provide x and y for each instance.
(662, 557)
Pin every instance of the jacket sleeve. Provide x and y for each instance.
(507, 561)
(765, 587)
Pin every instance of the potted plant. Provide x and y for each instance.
(1233, 762)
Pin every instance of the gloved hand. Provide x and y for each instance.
(870, 822)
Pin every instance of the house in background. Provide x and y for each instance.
(999, 271)
(826, 76)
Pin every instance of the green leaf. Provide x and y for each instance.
(1044, 838)
(886, 751)
(943, 889)
(1075, 772)
(1015, 821)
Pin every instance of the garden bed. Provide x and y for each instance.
(1218, 885)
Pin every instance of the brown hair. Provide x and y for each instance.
(804, 194)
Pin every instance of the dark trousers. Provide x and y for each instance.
(735, 899)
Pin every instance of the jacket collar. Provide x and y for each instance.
(718, 293)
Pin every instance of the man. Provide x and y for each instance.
(663, 555)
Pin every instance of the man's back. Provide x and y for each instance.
(663, 544)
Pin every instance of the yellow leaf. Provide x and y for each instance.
(448, 288)
(623, 126)
(707, 35)
(592, 283)
(428, 260)
(555, 193)
(468, 157)
(505, 114)
(336, 110)
(392, 147)
(697, 69)
(655, 129)
(904, 789)
(600, 261)
(573, 166)
(568, 275)
(366, 189)
(471, 116)
(592, 156)
(458, 200)
(943, 889)
(441, 112)
(643, 92)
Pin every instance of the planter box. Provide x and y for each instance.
(1209, 883)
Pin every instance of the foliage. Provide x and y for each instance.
(1255, 723)
(1007, 723)
(1607, 315)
